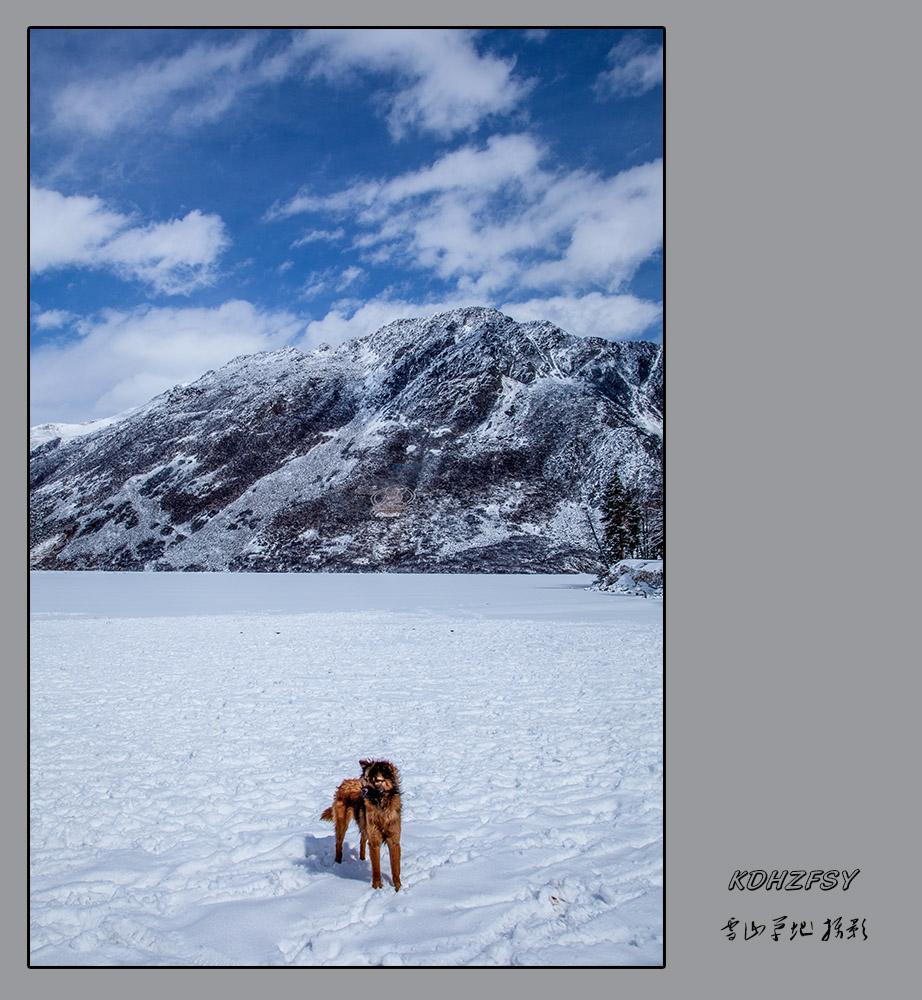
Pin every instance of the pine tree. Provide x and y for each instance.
(654, 510)
(620, 516)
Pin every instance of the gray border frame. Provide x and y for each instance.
(792, 688)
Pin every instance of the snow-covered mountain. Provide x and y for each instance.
(465, 442)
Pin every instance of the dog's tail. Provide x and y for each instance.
(327, 814)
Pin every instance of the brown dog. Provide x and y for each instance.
(373, 801)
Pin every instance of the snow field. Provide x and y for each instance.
(180, 763)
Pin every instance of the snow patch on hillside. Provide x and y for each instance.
(43, 433)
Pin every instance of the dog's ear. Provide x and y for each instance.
(365, 764)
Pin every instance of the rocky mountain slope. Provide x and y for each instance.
(464, 442)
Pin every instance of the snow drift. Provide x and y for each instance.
(642, 577)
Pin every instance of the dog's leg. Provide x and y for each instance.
(362, 823)
(342, 817)
(374, 844)
(393, 847)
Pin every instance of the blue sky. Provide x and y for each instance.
(199, 194)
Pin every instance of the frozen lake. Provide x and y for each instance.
(188, 730)
(144, 595)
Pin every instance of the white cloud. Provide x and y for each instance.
(349, 277)
(51, 319)
(440, 82)
(319, 235)
(494, 218)
(504, 159)
(636, 68)
(67, 231)
(613, 317)
(172, 257)
(316, 283)
(199, 85)
(329, 279)
(444, 85)
(124, 358)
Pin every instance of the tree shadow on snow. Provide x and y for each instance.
(318, 857)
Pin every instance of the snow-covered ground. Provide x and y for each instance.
(189, 729)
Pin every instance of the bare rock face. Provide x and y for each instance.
(465, 442)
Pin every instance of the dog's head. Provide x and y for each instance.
(379, 779)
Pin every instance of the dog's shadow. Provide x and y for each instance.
(318, 857)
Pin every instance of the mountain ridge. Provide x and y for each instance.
(498, 438)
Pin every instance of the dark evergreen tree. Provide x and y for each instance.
(654, 510)
(632, 520)
(620, 517)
